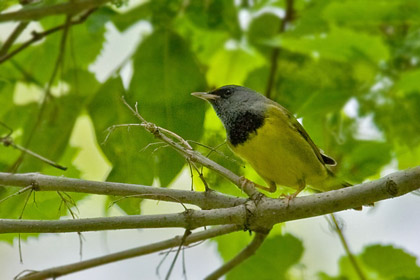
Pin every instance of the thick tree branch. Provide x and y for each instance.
(69, 8)
(204, 200)
(135, 252)
(241, 257)
(190, 219)
(258, 216)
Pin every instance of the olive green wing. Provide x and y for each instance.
(299, 128)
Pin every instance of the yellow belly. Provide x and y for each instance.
(278, 153)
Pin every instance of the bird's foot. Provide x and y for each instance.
(290, 197)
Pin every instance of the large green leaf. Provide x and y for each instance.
(391, 262)
(339, 44)
(378, 262)
(275, 257)
(48, 130)
(165, 73)
(231, 66)
(123, 145)
(214, 15)
(372, 12)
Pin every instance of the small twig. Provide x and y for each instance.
(30, 187)
(350, 255)
(12, 38)
(157, 270)
(145, 196)
(184, 268)
(47, 93)
(131, 253)
(288, 17)
(186, 151)
(8, 141)
(20, 217)
(112, 128)
(238, 259)
(37, 36)
(184, 237)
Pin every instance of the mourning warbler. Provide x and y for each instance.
(271, 140)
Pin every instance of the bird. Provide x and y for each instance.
(272, 141)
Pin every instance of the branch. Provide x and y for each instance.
(69, 8)
(186, 151)
(204, 200)
(241, 257)
(343, 241)
(135, 252)
(258, 216)
(12, 38)
(36, 36)
(190, 219)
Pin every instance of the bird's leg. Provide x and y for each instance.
(271, 188)
(256, 196)
(289, 197)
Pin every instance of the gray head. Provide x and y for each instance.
(239, 108)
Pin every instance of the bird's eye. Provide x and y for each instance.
(227, 93)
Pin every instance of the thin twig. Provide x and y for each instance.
(37, 36)
(20, 217)
(30, 187)
(184, 237)
(135, 252)
(346, 247)
(288, 17)
(12, 38)
(8, 141)
(241, 257)
(186, 151)
(47, 93)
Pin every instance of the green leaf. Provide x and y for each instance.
(364, 158)
(372, 12)
(391, 262)
(124, 20)
(262, 27)
(378, 262)
(122, 148)
(50, 136)
(339, 44)
(232, 66)
(408, 82)
(165, 73)
(214, 15)
(275, 257)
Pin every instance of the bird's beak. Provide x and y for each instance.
(205, 96)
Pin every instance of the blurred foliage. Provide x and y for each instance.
(331, 52)
(380, 262)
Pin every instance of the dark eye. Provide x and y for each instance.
(227, 93)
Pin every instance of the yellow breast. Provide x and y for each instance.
(278, 153)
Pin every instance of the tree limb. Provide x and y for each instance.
(241, 257)
(258, 216)
(190, 219)
(204, 200)
(135, 252)
(69, 8)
